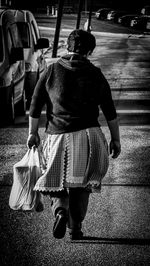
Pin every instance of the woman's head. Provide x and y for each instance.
(81, 42)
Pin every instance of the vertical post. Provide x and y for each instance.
(79, 14)
(57, 31)
(85, 6)
(90, 17)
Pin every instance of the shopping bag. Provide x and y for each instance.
(25, 174)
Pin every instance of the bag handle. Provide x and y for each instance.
(33, 154)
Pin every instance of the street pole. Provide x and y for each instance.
(57, 31)
(79, 14)
(90, 16)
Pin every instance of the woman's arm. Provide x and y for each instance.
(109, 111)
(33, 137)
(115, 146)
(37, 103)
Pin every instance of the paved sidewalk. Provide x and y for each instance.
(116, 227)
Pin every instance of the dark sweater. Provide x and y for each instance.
(72, 89)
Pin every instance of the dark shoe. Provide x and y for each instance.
(76, 235)
(39, 207)
(59, 228)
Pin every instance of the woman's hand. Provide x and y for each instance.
(115, 148)
(33, 140)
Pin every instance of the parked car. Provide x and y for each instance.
(118, 14)
(12, 69)
(102, 13)
(67, 9)
(33, 46)
(111, 14)
(148, 25)
(145, 10)
(126, 20)
(140, 22)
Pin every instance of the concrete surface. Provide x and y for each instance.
(116, 228)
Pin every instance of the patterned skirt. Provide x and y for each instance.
(76, 159)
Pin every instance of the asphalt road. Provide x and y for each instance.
(116, 227)
(69, 21)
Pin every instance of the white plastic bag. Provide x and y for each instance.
(25, 174)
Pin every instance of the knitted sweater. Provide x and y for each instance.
(73, 89)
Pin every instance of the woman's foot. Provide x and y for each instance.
(59, 228)
(76, 235)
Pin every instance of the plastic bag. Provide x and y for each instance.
(25, 174)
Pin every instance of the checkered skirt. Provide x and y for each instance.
(77, 159)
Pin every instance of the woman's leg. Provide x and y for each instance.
(59, 201)
(59, 205)
(78, 204)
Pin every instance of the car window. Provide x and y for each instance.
(34, 34)
(36, 29)
(13, 38)
(1, 45)
(24, 33)
(15, 35)
(9, 40)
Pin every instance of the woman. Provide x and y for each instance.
(76, 150)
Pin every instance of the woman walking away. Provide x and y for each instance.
(75, 149)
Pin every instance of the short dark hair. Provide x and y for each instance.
(80, 41)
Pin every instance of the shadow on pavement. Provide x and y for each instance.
(113, 241)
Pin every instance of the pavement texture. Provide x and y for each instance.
(116, 227)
